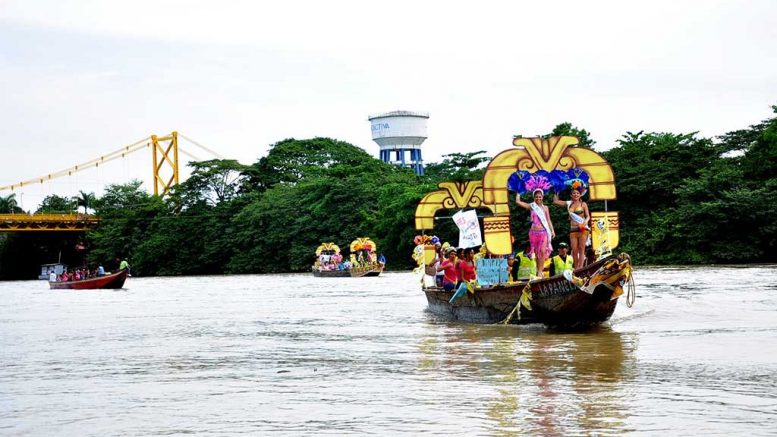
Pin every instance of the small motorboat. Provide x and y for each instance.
(111, 281)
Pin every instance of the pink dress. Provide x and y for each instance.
(538, 237)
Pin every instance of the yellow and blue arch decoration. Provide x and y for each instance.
(530, 154)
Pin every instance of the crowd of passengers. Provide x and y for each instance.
(452, 266)
(83, 273)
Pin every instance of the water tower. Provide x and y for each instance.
(402, 133)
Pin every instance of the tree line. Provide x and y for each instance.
(682, 199)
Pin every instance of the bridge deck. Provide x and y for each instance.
(47, 222)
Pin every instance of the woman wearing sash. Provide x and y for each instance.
(579, 219)
(541, 231)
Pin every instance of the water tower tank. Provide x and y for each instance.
(400, 135)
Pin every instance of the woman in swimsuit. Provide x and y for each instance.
(538, 235)
(578, 232)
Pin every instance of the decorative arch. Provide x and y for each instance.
(451, 195)
(554, 153)
(327, 247)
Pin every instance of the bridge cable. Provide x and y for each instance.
(120, 153)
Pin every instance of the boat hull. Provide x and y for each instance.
(113, 281)
(361, 272)
(358, 272)
(331, 274)
(555, 302)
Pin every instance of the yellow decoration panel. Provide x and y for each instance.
(498, 235)
(608, 234)
(361, 243)
(327, 247)
(451, 195)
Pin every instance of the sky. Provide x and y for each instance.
(79, 79)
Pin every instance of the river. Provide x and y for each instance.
(293, 354)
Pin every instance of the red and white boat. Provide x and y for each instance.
(112, 281)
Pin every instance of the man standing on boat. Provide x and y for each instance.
(562, 261)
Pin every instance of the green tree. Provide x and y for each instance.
(8, 205)
(84, 199)
(127, 214)
(291, 160)
(567, 128)
(458, 167)
(213, 181)
(56, 204)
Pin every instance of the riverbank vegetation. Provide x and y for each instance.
(682, 199)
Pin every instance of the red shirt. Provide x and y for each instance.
(467, 271)
(449, 271)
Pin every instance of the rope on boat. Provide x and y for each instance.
(631, 289)
(524, 299)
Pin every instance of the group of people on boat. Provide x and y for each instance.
(451, 266)
(85, 272)
(360, 257)
(337, 262)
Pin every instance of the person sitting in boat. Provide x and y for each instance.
(541, 231)
(579, 220)
(100, 270)
(448, 267)
(381, 259)
(52, 276)
(526, 265)
(562, 261)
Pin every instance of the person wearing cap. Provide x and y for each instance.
(562, 261)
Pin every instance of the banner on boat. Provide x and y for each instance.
(469, 228)
(492, 271)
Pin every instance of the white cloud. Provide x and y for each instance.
(80, 78)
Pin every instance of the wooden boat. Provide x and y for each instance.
(589, 295)
(112, 281)
(588, 300)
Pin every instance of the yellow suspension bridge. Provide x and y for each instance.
(164, 151)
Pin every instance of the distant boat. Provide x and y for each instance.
(328, 262)
(112, 281)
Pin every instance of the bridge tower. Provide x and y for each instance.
(165, 154)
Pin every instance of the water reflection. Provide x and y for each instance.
(537, 382)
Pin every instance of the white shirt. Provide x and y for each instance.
(52, 277)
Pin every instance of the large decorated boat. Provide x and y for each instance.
(110, 281)
(575, 299)
(363, 260)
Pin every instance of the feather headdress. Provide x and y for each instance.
(577, 179)
(538, 181)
